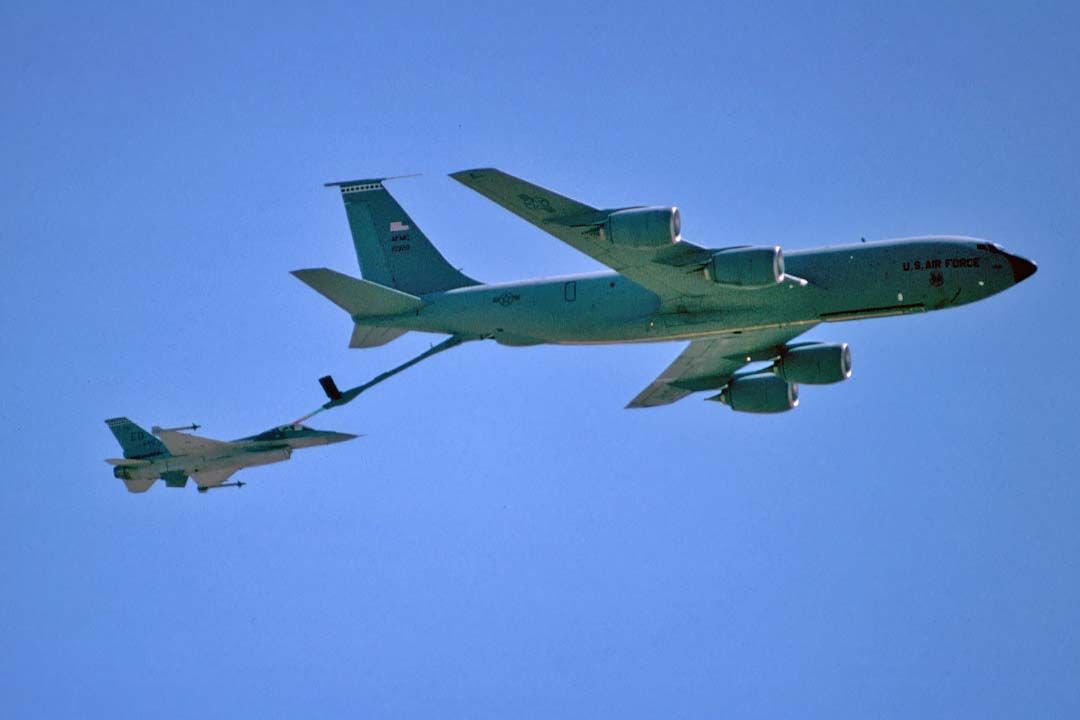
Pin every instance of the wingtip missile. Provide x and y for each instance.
(157, 429)
(208, 488)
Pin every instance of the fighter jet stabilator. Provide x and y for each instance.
(736, 305)
(173, 456)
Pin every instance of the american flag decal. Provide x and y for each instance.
(397, 226)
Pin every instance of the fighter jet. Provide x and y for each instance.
(174, 456)
(738, 305)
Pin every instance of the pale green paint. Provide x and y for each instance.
(658, 294)
(844, 283)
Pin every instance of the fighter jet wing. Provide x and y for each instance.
(710, 363)
(670, 272)
(178, 443)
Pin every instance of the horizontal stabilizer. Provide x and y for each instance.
(358, 297)
(365, 336)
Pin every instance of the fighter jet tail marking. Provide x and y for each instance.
(136, 442)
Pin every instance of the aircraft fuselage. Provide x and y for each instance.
(203, 463)
(864, 280)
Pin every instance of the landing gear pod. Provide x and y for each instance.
(815, 364)
(759, 394)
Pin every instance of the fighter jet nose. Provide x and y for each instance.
(1022, 268)
(340, 437)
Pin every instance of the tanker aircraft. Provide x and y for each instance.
(737, 305)
(173, 455)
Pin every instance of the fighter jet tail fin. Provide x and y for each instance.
(391, 247)
(136, 442)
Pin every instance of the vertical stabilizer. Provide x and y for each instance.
(136, 442)
(391, 248)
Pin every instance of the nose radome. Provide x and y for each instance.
(1022, 268)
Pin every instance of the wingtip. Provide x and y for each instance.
(306, 272)
(472, 173)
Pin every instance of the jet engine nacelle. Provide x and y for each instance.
(759, 394)
(817, 364)
(751, 267)
(643, 227)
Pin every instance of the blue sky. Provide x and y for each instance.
(507, 540)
